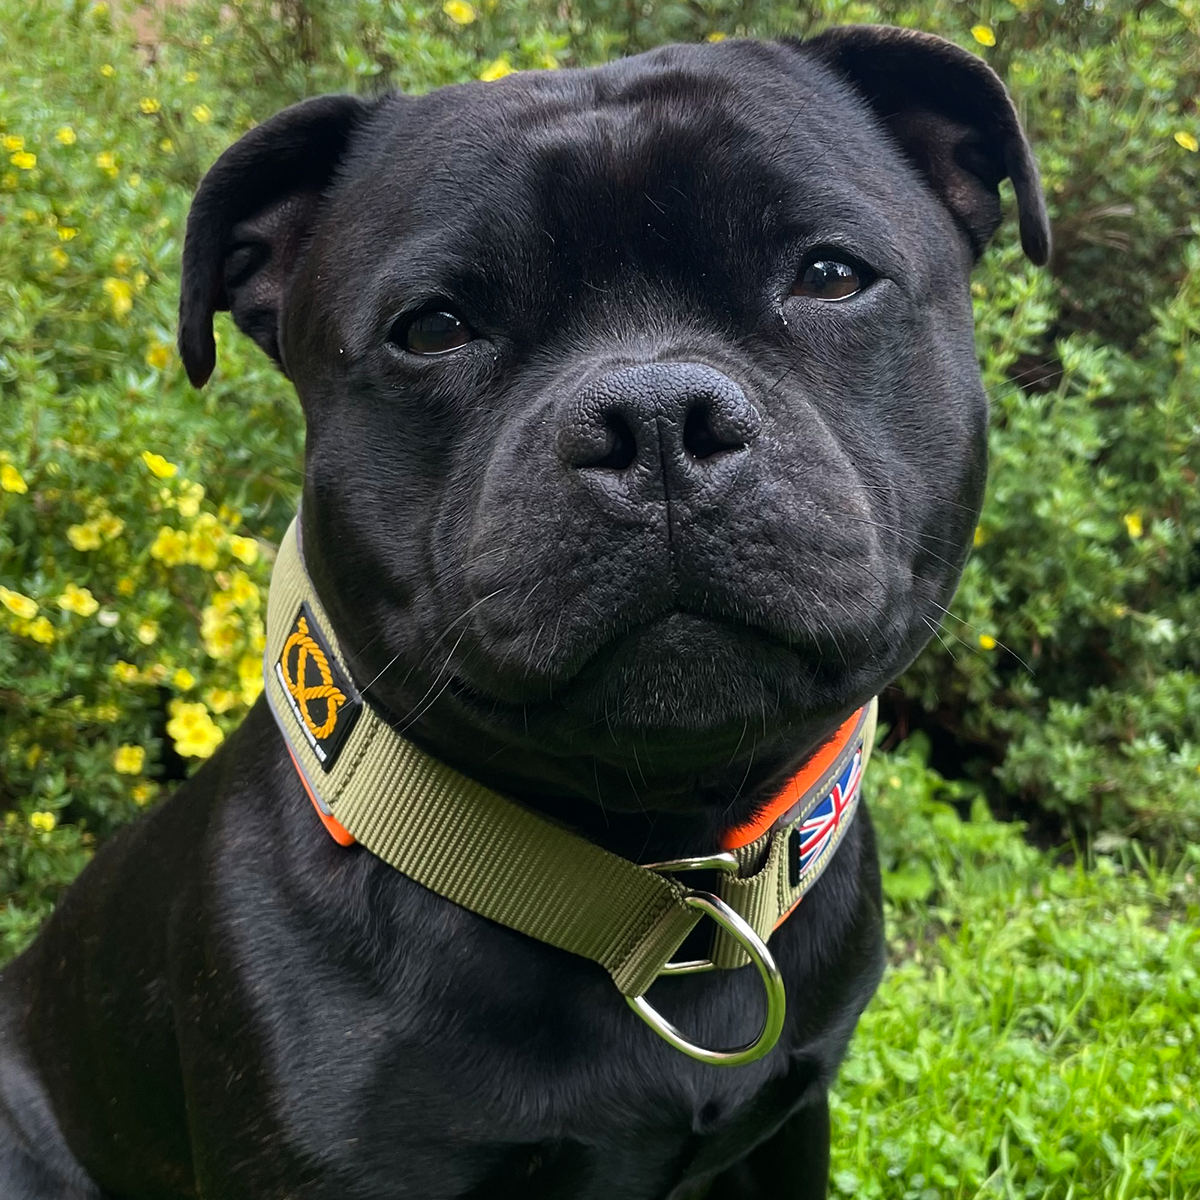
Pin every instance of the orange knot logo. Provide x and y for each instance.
(297, 681)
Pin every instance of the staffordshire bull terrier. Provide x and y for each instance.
(645, 444)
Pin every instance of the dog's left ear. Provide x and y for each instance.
(250, 220)
(953, 118)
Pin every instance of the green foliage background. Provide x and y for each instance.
(1039, 1033)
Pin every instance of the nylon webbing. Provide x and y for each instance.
(489, 854)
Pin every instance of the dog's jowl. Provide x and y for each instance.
(645, 443)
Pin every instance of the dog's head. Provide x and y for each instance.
(645, 431)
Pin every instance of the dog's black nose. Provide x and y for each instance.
(674, 420)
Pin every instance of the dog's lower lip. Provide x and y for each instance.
(697, 665)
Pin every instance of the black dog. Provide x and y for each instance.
(645, 443)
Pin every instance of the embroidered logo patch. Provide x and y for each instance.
(810, 839)
(321, 698)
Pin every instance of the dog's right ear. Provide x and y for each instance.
(249, 221)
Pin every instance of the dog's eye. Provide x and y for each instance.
(830, 279)
(430, 333)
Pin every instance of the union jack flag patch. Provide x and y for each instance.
(824, 824)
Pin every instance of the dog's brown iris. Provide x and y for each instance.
(434, 333)
(829, 279)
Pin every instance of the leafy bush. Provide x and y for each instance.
(139, 516)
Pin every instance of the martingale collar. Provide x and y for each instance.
(499, 859)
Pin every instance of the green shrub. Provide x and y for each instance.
(1065, 682)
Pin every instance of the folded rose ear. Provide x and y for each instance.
(954, 119)
(248, 222)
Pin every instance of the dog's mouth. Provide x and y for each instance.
(679, 693)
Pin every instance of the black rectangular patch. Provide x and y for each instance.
(320, 696)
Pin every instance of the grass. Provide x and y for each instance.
(1038, 1033)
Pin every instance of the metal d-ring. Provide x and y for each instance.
(754, 946)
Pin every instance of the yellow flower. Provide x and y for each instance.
(459, 11)
(11, 480)
(85, 536)
(250, 676)
(121, 295)
(107, 70)
(244, 549)
(40, 630)
(59, 257)
(107, 712)
(716, 36)
(13, 142)
(983, 35)
(169, 546)
(140, 279)
(987, 641)
(105, 160)
(109, 525)
(192, 729)
(147, 632)
(23, 160)
(66, 233)
(158, 465)
(1187, 141)
(496, 70)
(1133, 524)
(141, 792)
(78, 600)
(125, 586)
(149, 105)
(167, 146)
(135, 180)
(219, 631)
(191, 76)
(190, 495)
(158, 355)
(980, 536)
(43, 822)
(206, 40)
(183, 679)
(126, 672)
(202, 113)
(204, 541)
(243, 591)
(129, 760)
(66, 135)
(220, 699)
(18, 603)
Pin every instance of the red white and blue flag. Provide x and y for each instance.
(810, 839)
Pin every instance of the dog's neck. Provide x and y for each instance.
(677, 818)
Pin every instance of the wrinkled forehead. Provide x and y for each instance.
(691, 166)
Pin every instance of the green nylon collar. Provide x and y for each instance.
(499, 859)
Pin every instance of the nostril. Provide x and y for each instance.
(702, 440)
(621, 447)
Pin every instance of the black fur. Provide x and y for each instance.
(629, 556)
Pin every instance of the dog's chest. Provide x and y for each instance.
(504, 1068)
